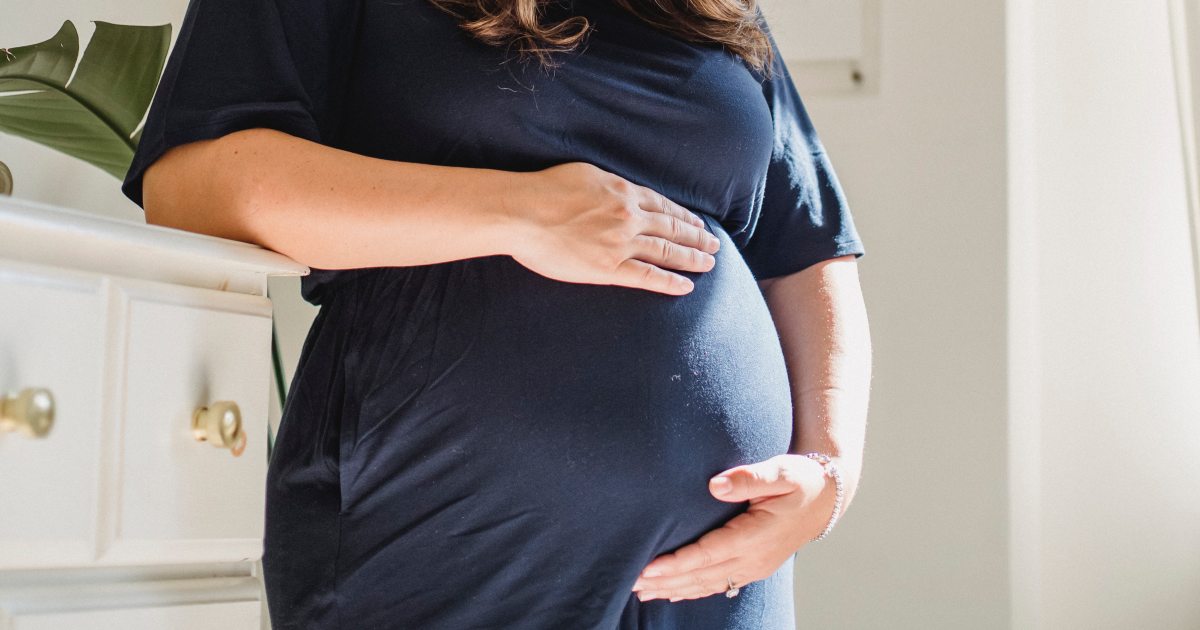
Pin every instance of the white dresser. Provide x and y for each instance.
(113, 335)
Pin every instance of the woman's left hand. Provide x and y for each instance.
(791, 501)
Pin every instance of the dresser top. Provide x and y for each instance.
(43, 234)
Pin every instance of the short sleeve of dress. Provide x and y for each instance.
(239, 64)
(804, 217)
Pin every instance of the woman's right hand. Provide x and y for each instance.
(580, 223)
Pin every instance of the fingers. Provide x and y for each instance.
(771, 477)
(674, 222)
(642, 275)
(701, 582)
(714, 547)
(750, 546)
(653, 201)
(664, 253)
(672, 237)
(670, 228)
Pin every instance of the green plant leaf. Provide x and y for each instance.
(52, 60)
(92, 117)
(6, 181)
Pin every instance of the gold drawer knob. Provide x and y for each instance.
(220, 424)
(30, 412)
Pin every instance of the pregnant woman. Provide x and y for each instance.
(591, 351)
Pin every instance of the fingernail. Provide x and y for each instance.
(722, 485)
(651, 573)
(638, 584)
(675, 599)
(645, 596)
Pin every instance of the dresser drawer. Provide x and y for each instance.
(174, 498)
(52, 329)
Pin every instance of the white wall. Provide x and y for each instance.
(1034, 316)
(925, 544)
(1106, 320)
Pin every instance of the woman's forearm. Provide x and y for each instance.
(822, 323)
(329, 208)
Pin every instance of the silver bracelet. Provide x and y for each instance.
(831, 470)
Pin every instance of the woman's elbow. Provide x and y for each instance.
(178, 192)
(156, 198)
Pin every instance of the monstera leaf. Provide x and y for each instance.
(91, 115)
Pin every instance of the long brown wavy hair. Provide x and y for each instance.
(734, 24)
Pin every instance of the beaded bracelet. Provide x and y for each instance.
(831, 470)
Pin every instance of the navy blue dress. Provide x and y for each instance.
(473, 445)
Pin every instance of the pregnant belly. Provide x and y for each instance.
(495, 402)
